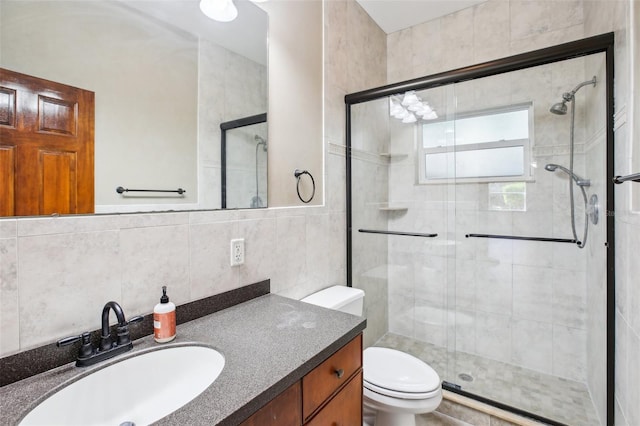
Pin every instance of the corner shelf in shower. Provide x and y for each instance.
(393, 155)
(393, 209)
(390, 207)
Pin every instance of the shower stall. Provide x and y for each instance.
(478, 225)
(243, 149)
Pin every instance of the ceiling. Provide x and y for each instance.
(245, 35)
(396, 15)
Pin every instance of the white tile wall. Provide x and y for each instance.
(64, 269)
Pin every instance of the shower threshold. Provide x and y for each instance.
(503, 385)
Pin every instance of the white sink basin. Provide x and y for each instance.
(140, 389)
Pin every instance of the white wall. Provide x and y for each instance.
(295, 99)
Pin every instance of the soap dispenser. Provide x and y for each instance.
(164, 319)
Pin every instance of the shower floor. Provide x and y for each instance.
(555, 398)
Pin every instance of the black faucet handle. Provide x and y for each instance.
(85, 337)
(134, 320)
(86, 350)
(122, 331)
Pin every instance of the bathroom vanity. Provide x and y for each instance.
(329, 394)
(287, 361)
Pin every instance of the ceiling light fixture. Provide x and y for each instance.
(219, 10)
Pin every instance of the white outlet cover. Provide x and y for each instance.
(237, 251)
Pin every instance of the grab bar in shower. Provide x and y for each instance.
(635, 177)
(120, 190)
(405, 234)
(515, 237)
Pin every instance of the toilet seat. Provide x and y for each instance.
(397, 374)
(400, 395)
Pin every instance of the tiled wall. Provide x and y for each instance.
(603, 16)
(57, 273)
(369, 196)
(351, 68)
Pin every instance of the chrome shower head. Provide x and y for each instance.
(579, 181)
(560, 108)
(261, 141)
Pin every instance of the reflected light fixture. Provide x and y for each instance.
(219, 10)
(410, 118)
(409, 107)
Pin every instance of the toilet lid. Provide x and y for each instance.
(398, 371)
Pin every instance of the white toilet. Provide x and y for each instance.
(397, 386)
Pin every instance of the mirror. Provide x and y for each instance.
(164, 76)
(244, 162)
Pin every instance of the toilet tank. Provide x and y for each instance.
(340, 298)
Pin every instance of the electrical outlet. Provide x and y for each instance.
(237, 251)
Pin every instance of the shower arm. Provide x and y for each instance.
(569, 96)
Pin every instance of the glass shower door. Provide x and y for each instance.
(522, 317)
(474, 235)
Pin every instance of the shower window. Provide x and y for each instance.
(478, 146)
(507, 196)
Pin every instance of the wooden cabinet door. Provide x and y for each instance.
(284, 410)
(345, 409)
(46, 147)
(328, 377)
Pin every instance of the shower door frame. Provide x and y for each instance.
(603, 43)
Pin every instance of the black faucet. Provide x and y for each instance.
(88, 355)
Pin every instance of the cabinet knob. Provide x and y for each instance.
(339, 373)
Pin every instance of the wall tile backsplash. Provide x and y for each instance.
(64, 269)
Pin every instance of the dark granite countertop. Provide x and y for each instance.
(268, 343)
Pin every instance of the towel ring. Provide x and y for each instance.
(297, 173)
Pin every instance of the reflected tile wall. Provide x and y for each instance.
(230, 87)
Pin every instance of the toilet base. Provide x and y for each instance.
(381, 410)
(373, 417)
(384, 418)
